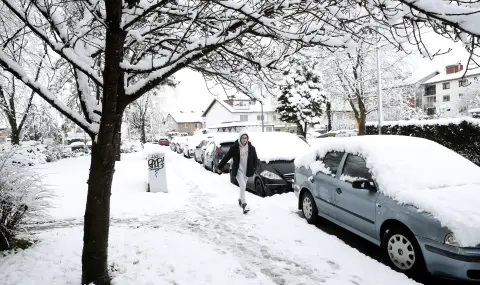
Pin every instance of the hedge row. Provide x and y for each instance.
(459, 135)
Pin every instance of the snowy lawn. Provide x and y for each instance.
(195, 234)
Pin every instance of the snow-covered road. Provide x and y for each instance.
(195, 234)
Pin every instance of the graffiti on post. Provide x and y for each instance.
(156, 163)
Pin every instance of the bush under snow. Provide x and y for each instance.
(31, 153)
(23, 198)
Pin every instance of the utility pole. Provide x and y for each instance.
(261, 108)
(379, 90)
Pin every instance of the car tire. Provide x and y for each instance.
(309, 208)
(396, 242)
(259, 189)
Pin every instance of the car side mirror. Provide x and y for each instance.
(364, 185)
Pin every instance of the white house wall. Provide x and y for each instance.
(217, 115)
(454, 92)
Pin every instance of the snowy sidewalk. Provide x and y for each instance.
(196, 234)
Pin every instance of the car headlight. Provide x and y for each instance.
(451, 240)
(270, 175)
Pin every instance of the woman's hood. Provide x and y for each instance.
(240, 136)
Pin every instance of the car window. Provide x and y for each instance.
(226, 147)
(210, 148)
(332, 161)
(355, 169)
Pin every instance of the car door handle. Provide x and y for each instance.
(339, 191)
(311, 179)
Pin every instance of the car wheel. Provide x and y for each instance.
(309, 208)
(401, 250)
(259, 189)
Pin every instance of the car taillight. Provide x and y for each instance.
(219, 149)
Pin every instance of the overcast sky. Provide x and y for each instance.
(192, 93)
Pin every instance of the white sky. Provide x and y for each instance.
(192, 93)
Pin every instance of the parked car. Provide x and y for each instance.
(216, 149)
(415, 199)
(276, 152)
(174, 143)
(192, 143)
(200, 149)
(181, 143)
(164, 141)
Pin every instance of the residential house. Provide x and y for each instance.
(184, 121)
(442, 93)
(230, 115)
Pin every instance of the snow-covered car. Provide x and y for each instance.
(216, 149)
(346, 133)
(415, 199)
(192, 143)
(200, 149)
(181, 144)
(276, 152)
(164, 141)
(174, 143)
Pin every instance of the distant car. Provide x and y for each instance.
(164, 141)
(191, 145)
(415, 199)
(276, 152)
(181, 143)
(216, 149)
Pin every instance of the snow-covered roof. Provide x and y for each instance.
(418, 172)
(237, 124)
(195, 140)
(273, 146)
(452, 76)
(186, 117)
(227, 104)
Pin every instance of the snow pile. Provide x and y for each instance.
(416, 172)
(273, 146)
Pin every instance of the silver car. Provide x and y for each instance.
(345, 193)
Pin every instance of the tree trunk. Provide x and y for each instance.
(143, 136)
(329, 116)
(118, 139)
(361, 125)
(15, 136)
(299, 129)
(304, 133)
(102, 167)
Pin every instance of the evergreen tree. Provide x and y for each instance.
(302, 99)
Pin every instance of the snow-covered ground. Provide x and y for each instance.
(195, 234)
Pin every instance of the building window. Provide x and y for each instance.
(274, 118)
(185, 125)
(243, 118)
(430, 90)
(259, 117)
(430, 102)
(462, 83)
(446, 98)
(446, 85)
(460, 94)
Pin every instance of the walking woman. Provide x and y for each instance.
(244, 165)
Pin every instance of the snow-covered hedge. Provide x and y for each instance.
(130, 146)
(461, 135)
(23, 198)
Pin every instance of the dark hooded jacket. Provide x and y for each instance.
(234, 152)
